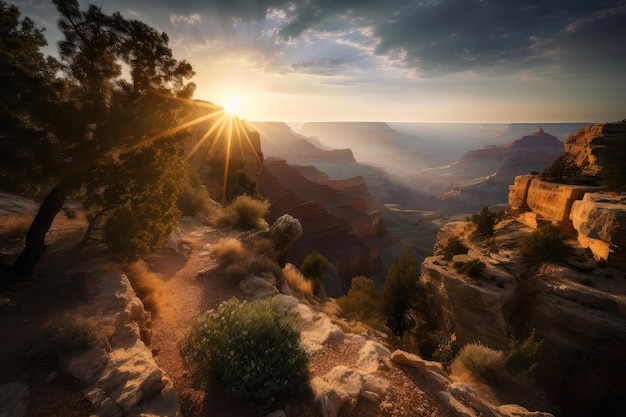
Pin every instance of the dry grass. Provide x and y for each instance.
(297, 282)
(149, 287)
(244, 213)
(73, 330)
(15, 226)
(237, 260)
(228, 251)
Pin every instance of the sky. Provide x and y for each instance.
(482, 61)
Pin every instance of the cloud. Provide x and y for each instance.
(191, 20)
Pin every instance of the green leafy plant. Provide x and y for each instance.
(194, 198)
(244, 213)
(522, 356)
(363, 301)
(473, 267)
(251, 348)
(454, 246)
(485, 222)
(314, 268)
(402, 294)
(545, 243)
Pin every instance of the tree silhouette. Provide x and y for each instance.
(401, 293)
(87, 132)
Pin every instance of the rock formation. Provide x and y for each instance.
(592, 143)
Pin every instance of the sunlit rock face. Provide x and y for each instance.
(577, 307)
(592, 143)
(331, 224)
(600, 221)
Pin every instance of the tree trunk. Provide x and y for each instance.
(35, 238)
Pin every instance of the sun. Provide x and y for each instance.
(232, 106)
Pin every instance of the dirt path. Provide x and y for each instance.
(192, 286)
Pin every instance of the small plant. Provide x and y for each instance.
(481, 361)
(473, 267)
(564, 169)
(522, 356)
(363, 302)
(485, 222)
(314, 268)
(244, 213)
(237, 260)
(297, 281)
(228, 251)
(545, 243)
(251, 348)
(454, 246)
(73, 330)
(149, 287)
(194, 198)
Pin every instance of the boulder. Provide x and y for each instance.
(590, 144)
(600, 220)
(373, 356)
(554, 201)
(257, 287)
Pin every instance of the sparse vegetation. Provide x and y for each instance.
(522, 356)
(402, 294)
(454, 246)
(545, 243)
(74, 330)
(481, 361)
(297, 282)
(314, 268)
(238, 260)
(148, 286)
(485, 221)
(564, 169)
(251, 348)
(363, 302)
(244, 213)
(473, 267)
(194, 199)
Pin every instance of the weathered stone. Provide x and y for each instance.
(465, 394)
(554, 201)
(257, 287)
(84, 364)
(592, 143)
(401, 357)
(373, 356)
(285, 230)
(513, 410)
(316, 329)
(518, 192)
(600, 220)
(454, 406)
(327, 399)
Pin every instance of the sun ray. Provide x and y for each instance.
(256, 154)
(229, 138)
(215, 125)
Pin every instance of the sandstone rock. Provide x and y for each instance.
(401, 357)
(84, 364)
(554, 201)
(512, 410)
(283, 233)
(518, 192)
(373, 356)
(600, 220)
(257, 287)
(465, 394)
(590, 144)
(454, 406)
(342, 387)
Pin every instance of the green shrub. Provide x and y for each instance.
(545, 243)
(485, 221)
(564, 169)
(473, 267)
(454, 246)
(363, 301)
(314, 268)
(244, 213)
(481, 361)
(402, 294)
(249, 347)
(194, 198)
(522, 356)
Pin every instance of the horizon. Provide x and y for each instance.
(446, 61)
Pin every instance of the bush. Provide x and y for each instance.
(522, 356)
(297, 281)
(149, 287)
(249, 347)
(244, 213)
(481, 361)
(237, 260)
(453, 246)
(473, 267)
(228, 251)
(485, 221)
(73, 330)
(363, 301)
(314, 268)
(402, 294)
(543, 244)
(565, 168)
(194, 198)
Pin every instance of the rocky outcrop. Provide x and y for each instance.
(122, 377)
(600, 222)
(330, 223)
(577, 307)
(591, 144)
